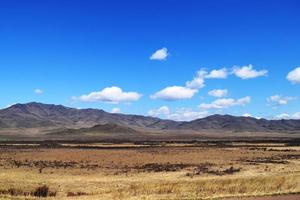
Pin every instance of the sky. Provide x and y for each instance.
(177, 60)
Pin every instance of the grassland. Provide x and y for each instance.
(149, 170)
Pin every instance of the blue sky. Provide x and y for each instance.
(98, 54)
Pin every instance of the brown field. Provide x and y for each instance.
(149, 170)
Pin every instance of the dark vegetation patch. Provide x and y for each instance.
(40, 191)
(207, 168)
(290, 156)
(293, 142)
(156, 167)
(279, 159)
(76, 194)
(14, 192)
(262, 160)
(271, 149)
(56, 164)
(43, 191)
(84, 144)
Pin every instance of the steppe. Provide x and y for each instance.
(150, 170)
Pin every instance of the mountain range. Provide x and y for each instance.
(59, 120)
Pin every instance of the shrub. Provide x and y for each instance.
(43, 191)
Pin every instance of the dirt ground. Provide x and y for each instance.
(150, 171)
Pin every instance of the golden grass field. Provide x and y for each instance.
(160, 171)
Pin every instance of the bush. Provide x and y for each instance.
(43, 191)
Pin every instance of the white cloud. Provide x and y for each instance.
(164, 110)
(116, 110)
(38, 91)
(160, 54)
(247, 115)
(9, 105)
(279, 100)
(198, 81)
(247, 72)
(288, 116)
(225, 103)
(294, 76)
(110, 94)
(182, 114)
(218, 93)
(185, 114)
(282, 116)
(174, 93)
(243, 101)
(193, 86)
(218, 73)
(190, 88)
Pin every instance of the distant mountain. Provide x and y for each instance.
(58, 117)
(37, 115)
(233, 123)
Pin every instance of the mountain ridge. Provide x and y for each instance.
(39, 115)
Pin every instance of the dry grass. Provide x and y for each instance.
(150, 173)
(211, 188)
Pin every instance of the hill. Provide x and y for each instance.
(58, 119)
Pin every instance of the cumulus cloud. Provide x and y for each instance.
(190, 88)
(218, 93)
(181, 114)
(38, 91)
(174, 93)
(247, 72)
(243, 101)
(198, 81)
(160, 54)
(288, 116)
(116, 110)
(186, 114)
(277, 100)
(294, 76)
(164, 110)
(111, 95)
(225, 103)
(218, 73)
